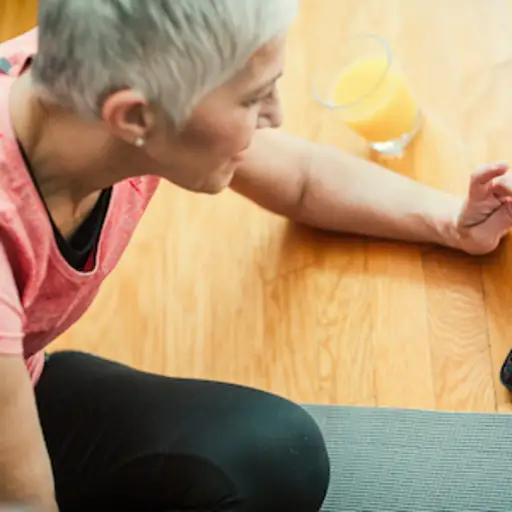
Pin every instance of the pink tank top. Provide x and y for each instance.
(41, 295)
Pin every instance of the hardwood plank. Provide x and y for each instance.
(318, 330)
(16, 17)
(403, 370)
(459, 336)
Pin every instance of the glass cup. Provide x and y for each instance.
(362, 82)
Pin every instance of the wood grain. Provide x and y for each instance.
(214, 287)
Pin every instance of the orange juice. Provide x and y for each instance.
(379, 105)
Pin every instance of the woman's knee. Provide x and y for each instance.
(251, 452)
(179, 444)
(277, 457)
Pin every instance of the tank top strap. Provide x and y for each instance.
(5, 66)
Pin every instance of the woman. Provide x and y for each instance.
(104, 100)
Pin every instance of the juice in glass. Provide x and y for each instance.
(372, 96)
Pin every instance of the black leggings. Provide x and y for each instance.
(123, 440)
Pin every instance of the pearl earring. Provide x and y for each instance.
(139, 142)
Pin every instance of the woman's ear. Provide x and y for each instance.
(128, 115)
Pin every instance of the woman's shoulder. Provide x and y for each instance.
(145, 184)
(141, 189)
(18, 49)
(25, 41)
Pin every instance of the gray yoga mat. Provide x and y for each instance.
(390, 460)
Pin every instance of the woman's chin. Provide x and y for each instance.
(218, 180)
(238, 158)
(219, 185)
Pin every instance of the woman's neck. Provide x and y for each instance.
(70, 159)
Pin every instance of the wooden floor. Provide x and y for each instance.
(214, 287)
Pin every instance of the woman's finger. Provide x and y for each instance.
(502, 186)
(482, 179)
(486, 173)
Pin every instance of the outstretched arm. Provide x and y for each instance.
(327, 188)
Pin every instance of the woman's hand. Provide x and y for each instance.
(486, 214)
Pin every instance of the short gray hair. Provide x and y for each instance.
(174, 52)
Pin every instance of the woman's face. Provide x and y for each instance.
(205, 153)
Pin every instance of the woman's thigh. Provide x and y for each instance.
(121, 439)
